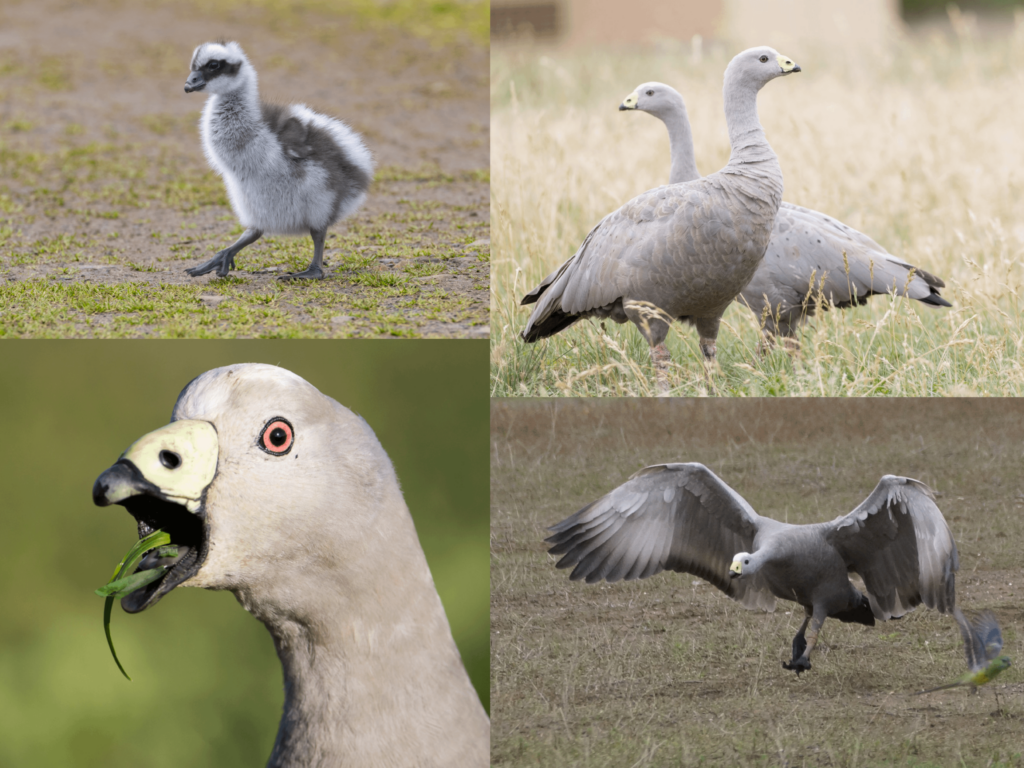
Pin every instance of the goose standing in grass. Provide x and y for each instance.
(682, 251)
(288, 170)
(809, 253)
(683, 517)
(276, 492)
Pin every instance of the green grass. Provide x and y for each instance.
(101, 182)
(916, 150)
(668, 671)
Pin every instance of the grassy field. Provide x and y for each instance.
(919, 147)
(106, 198)
(668, 671)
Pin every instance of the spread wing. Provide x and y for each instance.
(982, 637)
(899, 543)
(677, 517)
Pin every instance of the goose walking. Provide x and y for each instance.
(288, 170)
(682, 251)
(809, 252)
(683, 517)
(276, 492)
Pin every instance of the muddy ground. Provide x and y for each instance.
(106, 198)
(667, 671)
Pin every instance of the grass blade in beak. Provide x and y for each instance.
(126, 566)
(122, 587)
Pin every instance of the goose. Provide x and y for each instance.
(287, 169)
(286, 498)
(683, 517)
(682, 251)
(809, 252)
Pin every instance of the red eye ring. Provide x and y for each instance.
(277, 436)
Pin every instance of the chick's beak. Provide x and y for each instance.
(195, 82)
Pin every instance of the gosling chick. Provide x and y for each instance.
(287, 170)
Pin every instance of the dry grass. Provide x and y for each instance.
(920, 148)
(668, 671)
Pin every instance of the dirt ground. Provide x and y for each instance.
(106, 198)
(668, 671)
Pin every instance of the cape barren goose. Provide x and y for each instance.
(276, 492)
(682, 251)
(288, 170)
(683, 517)
(809, 253)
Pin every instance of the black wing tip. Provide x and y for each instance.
(935, 300)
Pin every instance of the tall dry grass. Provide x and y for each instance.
(921, 147)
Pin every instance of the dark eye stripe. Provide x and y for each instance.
(276, 437)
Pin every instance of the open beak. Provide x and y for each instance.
(162, 481)
(195, 82)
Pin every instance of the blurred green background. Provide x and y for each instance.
(207, 687)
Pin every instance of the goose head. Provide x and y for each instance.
(757, 66)
(263, 483)
(656, 99)
(219, 68)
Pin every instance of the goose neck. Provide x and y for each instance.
(680, 139)
(371, 672)
(746, 135)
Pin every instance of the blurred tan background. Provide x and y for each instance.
(743, 23)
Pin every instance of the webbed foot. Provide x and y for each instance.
(223, 262)
(797, 665)
(310, 273)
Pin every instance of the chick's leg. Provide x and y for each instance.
(225, 260)
(315, 269)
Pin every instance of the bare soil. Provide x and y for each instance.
(104, 184)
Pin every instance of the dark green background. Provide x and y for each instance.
(207, 687)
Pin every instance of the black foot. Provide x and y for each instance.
(223, 262)
(307, 274)
(797, 665)
(799, 646)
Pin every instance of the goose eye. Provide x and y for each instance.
(214, 65)
(650, 93)
(277, 436)
(763, 59)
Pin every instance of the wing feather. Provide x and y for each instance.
(899, 543)
(679, 517)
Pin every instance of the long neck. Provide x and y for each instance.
(746, 135)
(680, 139)
(752, 159)
(372, 675)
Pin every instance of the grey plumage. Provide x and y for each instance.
(809, 253)
(287, 499)
(287, 169)
(683, 251)
(682, 517)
